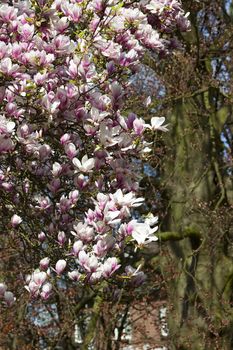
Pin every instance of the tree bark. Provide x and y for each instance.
(199, 282)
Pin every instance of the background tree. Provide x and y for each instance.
(196, 173)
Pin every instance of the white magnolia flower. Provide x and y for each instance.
(57, 169)
(6, 126)
(127, 199)
(143, 233)
(151, 220)
(156, 124)
(155, 6)
(112, 217)
(86, 165)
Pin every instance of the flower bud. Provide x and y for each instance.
(61, 237)
(44, 263)
(9, 298)
(73, 195)
(41, 236)
(46, 291)
(60, 266)
(15, 220)
(65, 139)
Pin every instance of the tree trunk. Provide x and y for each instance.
(199, 268)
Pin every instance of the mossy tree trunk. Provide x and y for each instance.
(198, 269)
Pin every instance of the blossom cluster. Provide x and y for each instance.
(67, 179)
(167, 14)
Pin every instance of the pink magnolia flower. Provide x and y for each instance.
(65, 139)
(73, 196)
(109, 267)
(40, 78)
(46, 291)
(74, 275)
(137, 277)
(71, 150)
(112, 217)
(89, 262)
(100, 249)
(61, 25)
(72, 11)
(84, 232)
(8, 13)
(39, 277)
(33, 288)
(57, 169)
(61, 237)
(138, 125)
(26, 31)
(81, 181)
(44, 263)
(6, 66)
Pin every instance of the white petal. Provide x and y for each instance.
(77, 163)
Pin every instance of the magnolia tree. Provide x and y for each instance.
(69, 151)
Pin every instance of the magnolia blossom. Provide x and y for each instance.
(86, 165)
(6, 66)
(137, 277)
(46, 291)
(57, 169)
(89, 262)
(127, 199)
(9, 298)
(109, 136)
(61, 237)
(39, 277)
(60, 266)
(44, 263)
(109, 267)
(6, 126)
(74, 275)
(143, 233)
(84, 232)
(6, 295)
(6, 144)
(156, 124)
(16, 220)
